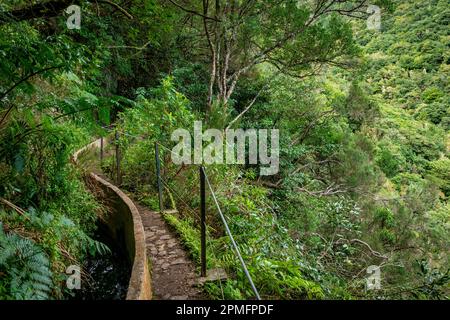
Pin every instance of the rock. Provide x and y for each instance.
(171, 244)
(179, 261)
(213, 275)
(165, 265)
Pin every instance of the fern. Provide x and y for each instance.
(26, 266)
(94, 247)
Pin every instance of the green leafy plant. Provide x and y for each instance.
(25, 268)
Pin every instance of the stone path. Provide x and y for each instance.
(174, 276)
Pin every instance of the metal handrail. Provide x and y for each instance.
(236, 248)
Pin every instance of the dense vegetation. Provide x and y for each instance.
(363, 116)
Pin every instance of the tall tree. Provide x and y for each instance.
(297, 37)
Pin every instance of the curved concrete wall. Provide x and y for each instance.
(125, 224)
(92, 145)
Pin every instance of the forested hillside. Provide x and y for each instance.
(363, 118)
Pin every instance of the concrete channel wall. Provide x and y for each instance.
(124, 223)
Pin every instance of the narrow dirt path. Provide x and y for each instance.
(174, 275)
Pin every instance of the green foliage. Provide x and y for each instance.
(274, 276)
(358, 107)
(25, 268)
(408, 62)
(384, 216)
(36, 174)
(440, 173)
(191, 79)
(433, 283)
(390, 159)
(364, 170)
(156, 114)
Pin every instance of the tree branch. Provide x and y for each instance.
(329, 191)
(15, 208)
(115, 5)
(253, 100)
(193, 11)
(4, 94)
(143, 47)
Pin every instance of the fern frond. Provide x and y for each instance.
(27, 267)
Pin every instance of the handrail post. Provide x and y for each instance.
(203, 221)
(119, 177)
(158, 175)
(101, 150)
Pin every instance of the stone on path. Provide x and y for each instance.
(174, 276)
(213, 275)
